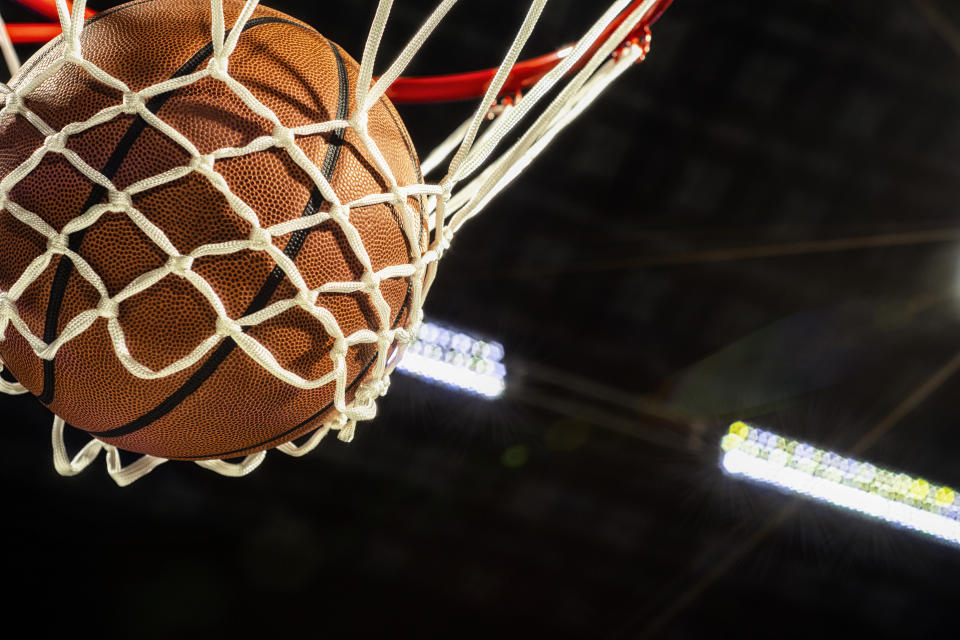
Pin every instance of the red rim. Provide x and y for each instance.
(48, 8)
(439, 88)
(33, 33)
(525, 74)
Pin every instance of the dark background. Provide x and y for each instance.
(758, 222)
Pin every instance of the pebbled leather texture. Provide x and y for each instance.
(238, 408)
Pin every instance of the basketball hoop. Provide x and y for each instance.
(528, 101)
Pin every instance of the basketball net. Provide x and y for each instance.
(464, 173)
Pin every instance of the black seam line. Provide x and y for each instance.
(267, 289)
(360, 375)
(65, 265)
(281, 436)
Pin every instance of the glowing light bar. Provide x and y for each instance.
(902, 500)
(454, 358)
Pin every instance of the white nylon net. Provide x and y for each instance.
(476, 164)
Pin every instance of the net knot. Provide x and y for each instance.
(218, 68)
(108, 308)
(14, 103)
(446, 238)
(339, 350)
(370, 281)
(73, 55)
(344, 427)
(132, 102)
(203, 164)
(260, 239)
(56, 142)
(359, 122)
(180, 265)
(446, 189)
(228, 328)
(283, 136)
(337, 422)
(58, 243)
(120, 200)
(307, 299)
(375, 389)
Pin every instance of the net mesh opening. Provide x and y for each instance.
(463, 174)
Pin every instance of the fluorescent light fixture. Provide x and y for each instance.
(899, 499)
(456, 359)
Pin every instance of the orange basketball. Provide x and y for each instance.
(226, 404)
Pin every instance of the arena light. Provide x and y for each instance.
(895, 497)
(456, 359)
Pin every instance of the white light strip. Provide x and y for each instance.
(456, 359)
(451, 374)
(897, 498)
(435, 334)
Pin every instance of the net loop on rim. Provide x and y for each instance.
(478, 161)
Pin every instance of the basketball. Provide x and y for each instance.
(192, 168)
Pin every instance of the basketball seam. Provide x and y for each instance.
(64, 265)
(294, 245)
(269, 286)
(360, 375)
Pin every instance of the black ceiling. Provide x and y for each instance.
(758, 222)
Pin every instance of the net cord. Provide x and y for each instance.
(10, 57)
(474, 175)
